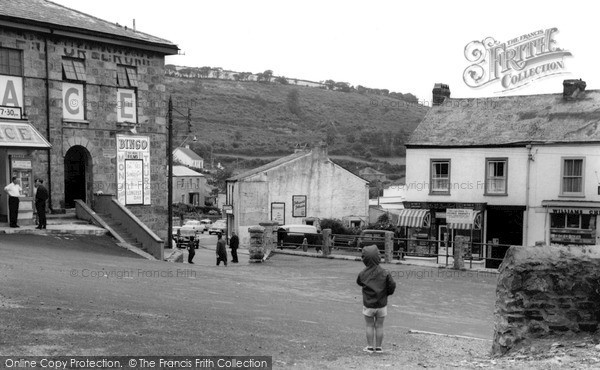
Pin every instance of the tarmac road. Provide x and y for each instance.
(81, 295)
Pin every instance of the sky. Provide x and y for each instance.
(401, 46)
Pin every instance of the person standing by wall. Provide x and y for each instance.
(14, 192)
(234, 244)
(41, 196)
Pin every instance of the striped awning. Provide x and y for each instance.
(474, 222)
(414, 218)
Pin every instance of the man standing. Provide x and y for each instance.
(14, 192)
(41, 196)
(221, 250)
(234, 243)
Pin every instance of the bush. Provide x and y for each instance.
(336, 226)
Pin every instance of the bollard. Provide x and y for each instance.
(389, 246)
(326, 242)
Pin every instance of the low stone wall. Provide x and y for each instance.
(546, 290)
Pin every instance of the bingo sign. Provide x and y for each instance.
(133, 169)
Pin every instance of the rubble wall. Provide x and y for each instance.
(546, 290)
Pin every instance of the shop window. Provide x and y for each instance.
(11, 62)
(496, 174)
(572, 177)
(572, 228)
(440, 177)
(73, 69)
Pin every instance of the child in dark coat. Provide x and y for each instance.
(221, 250)
(377, 284)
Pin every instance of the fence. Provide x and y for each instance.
(437, 252)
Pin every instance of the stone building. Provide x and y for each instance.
(303, 186)
(73, 89)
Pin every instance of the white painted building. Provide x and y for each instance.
(523, 169)
(304, 185)
(188, 157)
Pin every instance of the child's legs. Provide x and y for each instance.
(379, 331)
(370, 328)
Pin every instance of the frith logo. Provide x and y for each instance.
(514, 63)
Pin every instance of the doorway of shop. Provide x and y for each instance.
(77, 175)
(504, 227)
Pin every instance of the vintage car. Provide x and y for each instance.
(220, 226)
(292, 236)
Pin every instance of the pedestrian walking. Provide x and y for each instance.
(41, 196)
(14, 192)
(191, 247)
(221, 250)
(377, 284)
(234, 244)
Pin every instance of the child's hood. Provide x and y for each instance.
(370, 255)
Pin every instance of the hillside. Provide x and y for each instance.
(254, 119)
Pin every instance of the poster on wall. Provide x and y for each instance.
(126, 106)
(278, 213)
(73, 101)
(134, 181)
(298, 205)
(133, 152)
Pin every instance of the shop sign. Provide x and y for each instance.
(11, 91)
(459, 216)
(577, 211)
(73, 107)
(21, 134)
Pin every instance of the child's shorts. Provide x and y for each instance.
(375, 312)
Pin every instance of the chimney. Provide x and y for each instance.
(572, 88)
(440, 92)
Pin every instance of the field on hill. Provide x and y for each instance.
(238, 122)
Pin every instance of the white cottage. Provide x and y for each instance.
(304, 185)
(522, 168)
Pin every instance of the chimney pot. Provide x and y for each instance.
(440, 92)
(572, 88)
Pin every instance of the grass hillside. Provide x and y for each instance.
(243, 122)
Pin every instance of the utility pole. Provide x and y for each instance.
(170, 172)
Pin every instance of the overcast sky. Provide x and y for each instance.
(397, 45)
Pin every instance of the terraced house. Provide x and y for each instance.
(73, 88)
(512, 170)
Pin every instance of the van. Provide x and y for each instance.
(292, 236)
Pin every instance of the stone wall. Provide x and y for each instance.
(546, 290)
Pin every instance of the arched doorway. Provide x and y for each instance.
(77, 175)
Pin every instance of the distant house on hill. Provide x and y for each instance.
(306, 184)
(190, 186)
(372, 174)
(188, 157)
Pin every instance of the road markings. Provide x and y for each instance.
(411, 331)
(309, 322)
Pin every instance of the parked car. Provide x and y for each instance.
(376, 237)
(207, 222)
(193, 226)
(220, 226)
(292, 236)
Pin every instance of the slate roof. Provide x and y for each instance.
(269, 165)
(179, 171)
(511, 120)
(48, 14)
(190, 153)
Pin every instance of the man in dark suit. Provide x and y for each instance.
(41, 196)
(234, 243)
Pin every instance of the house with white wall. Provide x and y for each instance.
(517, 170)
(293, 189)
(188, 157)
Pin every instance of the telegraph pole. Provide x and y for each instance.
(170, 173)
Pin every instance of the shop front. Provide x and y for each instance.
(19, 141)
(572, 222)
(447, 223)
